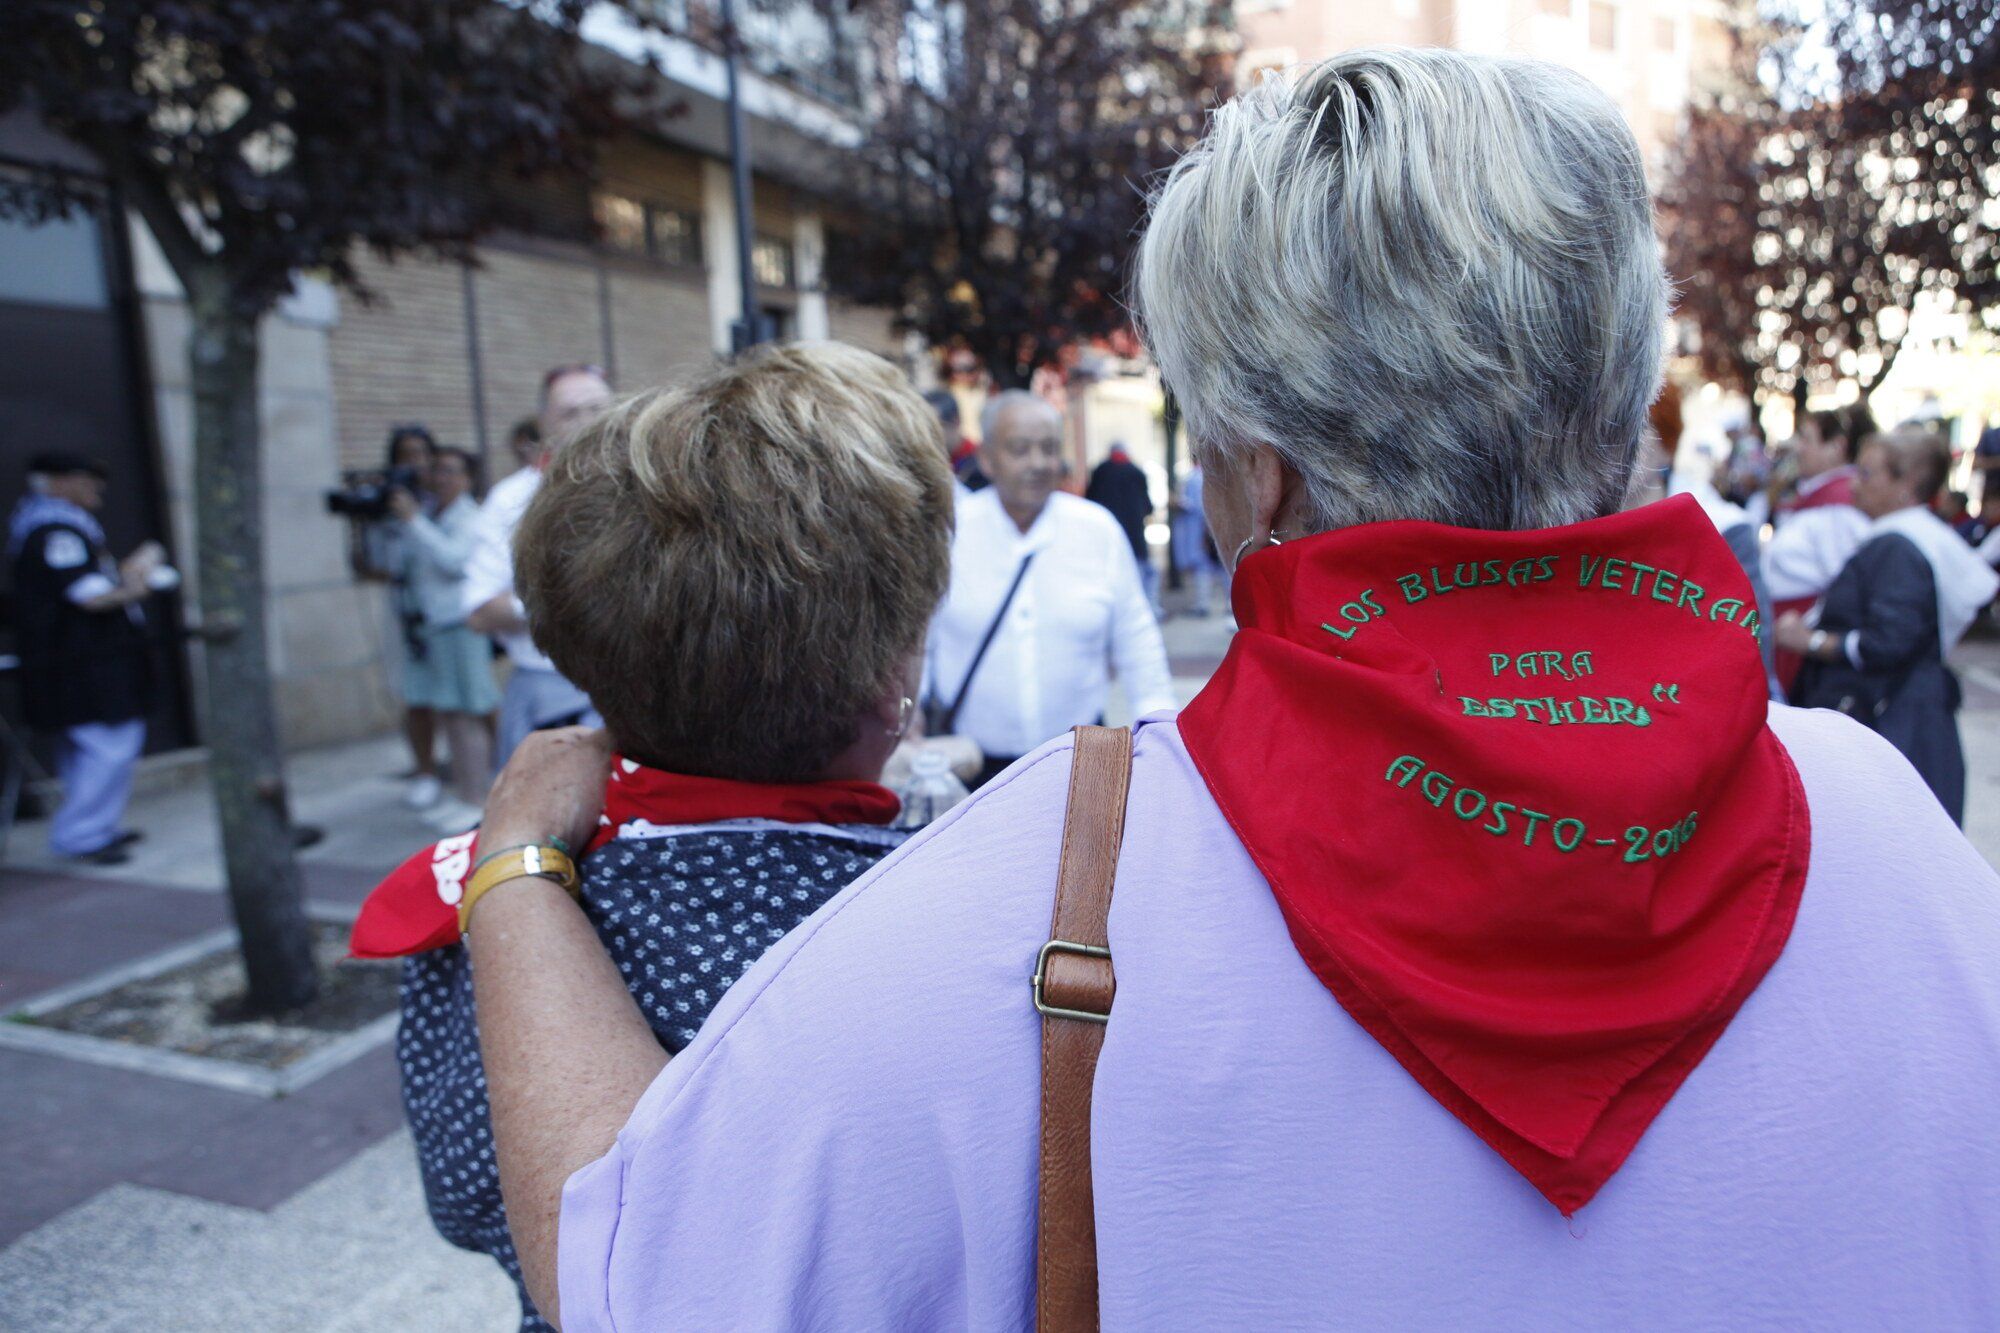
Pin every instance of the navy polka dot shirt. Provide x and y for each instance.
(683, 913)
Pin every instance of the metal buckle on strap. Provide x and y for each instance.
(1042, 1005)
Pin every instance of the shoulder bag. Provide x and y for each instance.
(1073, 987)
(939, 719)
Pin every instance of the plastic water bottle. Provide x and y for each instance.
(932, 789)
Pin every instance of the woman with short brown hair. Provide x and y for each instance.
(780, 529)
(739, 573)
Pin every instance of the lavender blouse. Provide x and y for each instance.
(850, 1141)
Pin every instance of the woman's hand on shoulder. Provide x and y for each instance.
(552, 787)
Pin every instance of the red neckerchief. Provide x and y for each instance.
(1516, 797)
(1836, 489)
(415, 909)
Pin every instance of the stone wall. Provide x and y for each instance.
(401, 356)
(408, 353)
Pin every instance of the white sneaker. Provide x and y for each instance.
(452, 816)
(424, 792)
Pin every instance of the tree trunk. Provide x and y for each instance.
(265, 892)
(1874, 382)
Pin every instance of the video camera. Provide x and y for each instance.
(364, 495)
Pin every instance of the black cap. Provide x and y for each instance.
(63, 463)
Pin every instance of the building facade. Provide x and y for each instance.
(635, 271)
(1651, 56)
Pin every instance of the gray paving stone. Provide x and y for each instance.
(356, 1251)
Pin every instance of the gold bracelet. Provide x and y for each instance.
(536, 860)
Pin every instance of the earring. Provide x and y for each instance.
(903, 715)
(1272, 540)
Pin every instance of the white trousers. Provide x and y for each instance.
(95, 765)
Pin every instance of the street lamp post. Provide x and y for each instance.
(749, 328)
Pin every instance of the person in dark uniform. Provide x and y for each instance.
(85, 673)
(1119, 484)
(1876, 649)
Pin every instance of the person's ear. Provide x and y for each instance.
(891, 714)
(1275, 491)
(894, 707)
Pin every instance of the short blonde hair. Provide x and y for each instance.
(736, 570)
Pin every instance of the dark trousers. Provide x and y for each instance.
(997, 763)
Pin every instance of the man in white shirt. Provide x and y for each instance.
(536, 694)
(1077, 606)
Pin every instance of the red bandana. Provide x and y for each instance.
(1517, 799)
(416, 908)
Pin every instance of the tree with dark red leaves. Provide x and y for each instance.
(1004, 171)
(1846, 169)
(259, 139)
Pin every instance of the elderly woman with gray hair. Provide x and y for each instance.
(1478, 947)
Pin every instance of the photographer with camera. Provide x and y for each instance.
(377, 548)
(448, 670)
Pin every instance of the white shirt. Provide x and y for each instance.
(489, 571)
(1810, 549)
(1079, 609)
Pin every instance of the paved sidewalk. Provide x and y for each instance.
(354, 1251)
(134, 1201)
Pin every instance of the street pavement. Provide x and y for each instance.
(137, 1201)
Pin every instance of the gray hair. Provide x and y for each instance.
(989, 416)
(1428, 280)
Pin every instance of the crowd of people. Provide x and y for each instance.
(447, 556)
(1013, 658)
(1874, 572)
(1483, 884)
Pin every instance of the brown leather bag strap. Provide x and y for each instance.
(1073, 989)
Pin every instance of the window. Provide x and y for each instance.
(676, 236)
(771, 261)
(1666, 34)
(653, 231)
(1603, 26)
(621, 223)
(59, 262)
